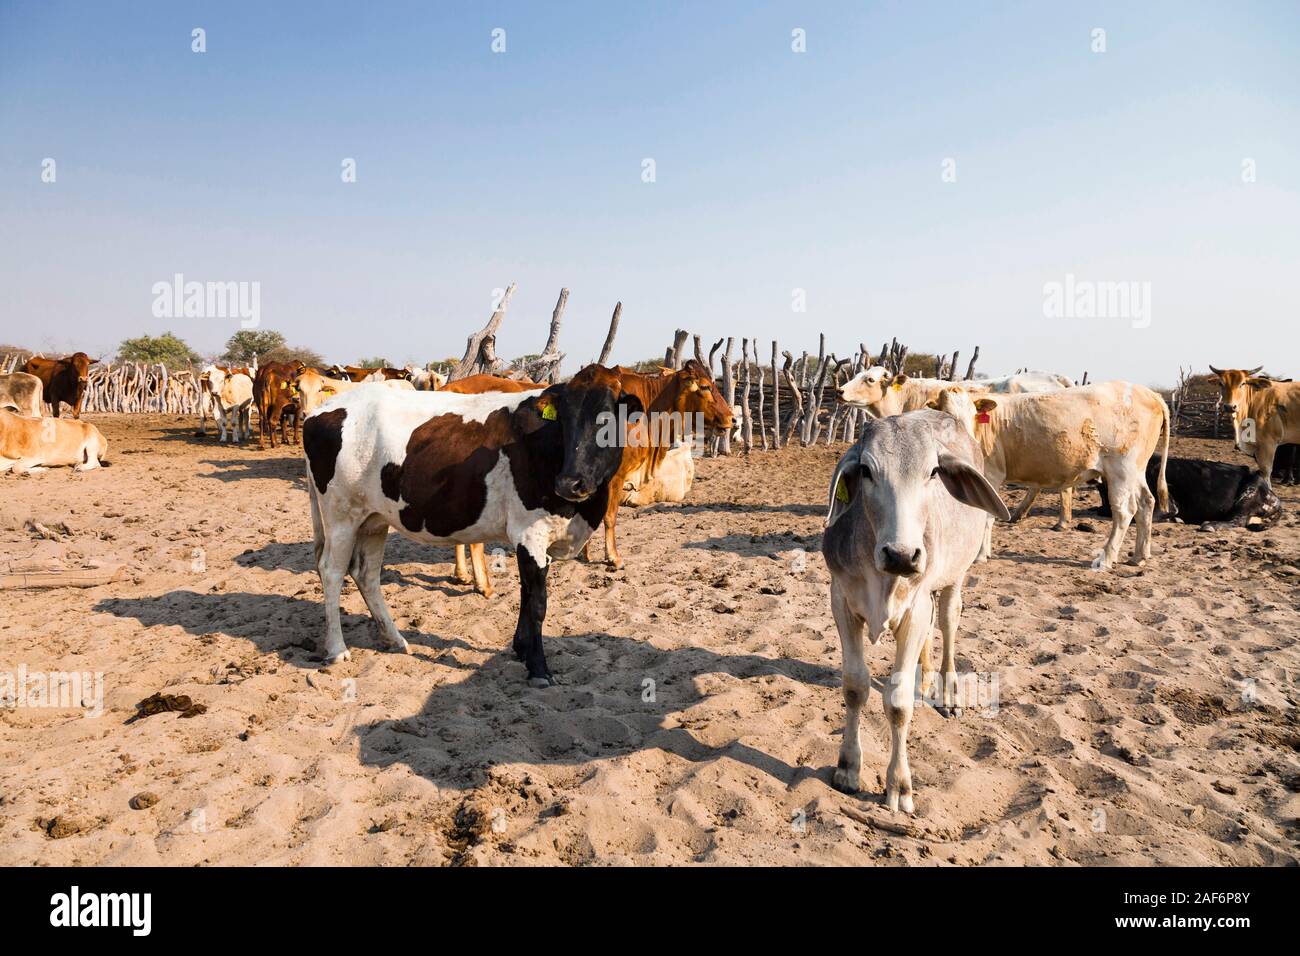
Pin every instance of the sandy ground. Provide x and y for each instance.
(1140, 716)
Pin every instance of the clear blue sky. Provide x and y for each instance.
(775, 171)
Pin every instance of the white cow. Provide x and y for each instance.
(908, 506)
(1054, 440)
(229, 395)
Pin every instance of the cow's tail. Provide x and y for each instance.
(1162, 487)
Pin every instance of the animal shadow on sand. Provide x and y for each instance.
(300, 558)
(601, 708)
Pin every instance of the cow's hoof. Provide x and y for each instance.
(343, 655)
(616, 565)
(896, 801)
(949, 711)
(845, 781)
(402, 648)
(547, 681)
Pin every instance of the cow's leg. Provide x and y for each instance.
(1145, 507)
(899, 696)
(367, 566)
(478, 563)
(532, 614)
(611, 517)
(856, 685)
(335, 558)
(317, 529)
(1067, 509)
(28, 466)
(1265, 449)
(1123, 500)
(1022, 509)
(949, 615)
(461, 573)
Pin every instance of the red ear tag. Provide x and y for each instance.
(982, 418)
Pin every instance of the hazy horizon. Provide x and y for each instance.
(948, 175)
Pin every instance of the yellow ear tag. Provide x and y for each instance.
(284, 384)
(897, 387)
(841, 492)
(548, 412)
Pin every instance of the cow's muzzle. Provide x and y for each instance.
(574, 488)
(898, 559)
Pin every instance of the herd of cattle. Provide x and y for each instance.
(911, 504)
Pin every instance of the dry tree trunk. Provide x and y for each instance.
(796, 413)
(728, 392)
(970, 369)
(480, 350)
(673, 357)
(747, 421)
(776, 401)
(608, 347)
(546, 367)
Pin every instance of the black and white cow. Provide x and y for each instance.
(443, 468)
(1212, 493)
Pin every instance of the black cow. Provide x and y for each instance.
(1212, 493)
(1286, 465)
(531, 468)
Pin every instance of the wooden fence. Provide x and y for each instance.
(133, 387)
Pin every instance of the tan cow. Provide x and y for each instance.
(315, 389)
(671, 481)
(33, 444)
(1053, 440)
(1265, 414)
(22, 393)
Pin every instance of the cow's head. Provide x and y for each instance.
(1233, 387)
(586, 409)
(969, 409)
(698, 394)
(876, 389)
(80, 362)
(895, 474)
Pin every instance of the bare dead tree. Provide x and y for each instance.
(796, 412)
(699, 354)
(728, 392)
(746, 420)
(712, 352)
(673, 357)
(546, 367)
(480, 350)
(608, 347)
(952, 369)
(776, 401)
(762, 418)
(970, 369)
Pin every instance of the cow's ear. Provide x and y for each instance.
(844, 485)
(528, 417)
(1258, 383)
(985, 405)
(967, 485)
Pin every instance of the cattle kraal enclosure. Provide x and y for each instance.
(906, 473)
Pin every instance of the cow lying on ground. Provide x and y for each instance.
(228, 393)
(1265, 414)
(676, 404)
(1055, 440)
(32, 444)
(62, 380)
(908, 506)
(22, 393)
(445, 469)
(1211, 494)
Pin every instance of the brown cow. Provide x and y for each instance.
(357, 373)
(1265, 413)
(477, 385)
(673, 401)
(63, 380)
(275, 396)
